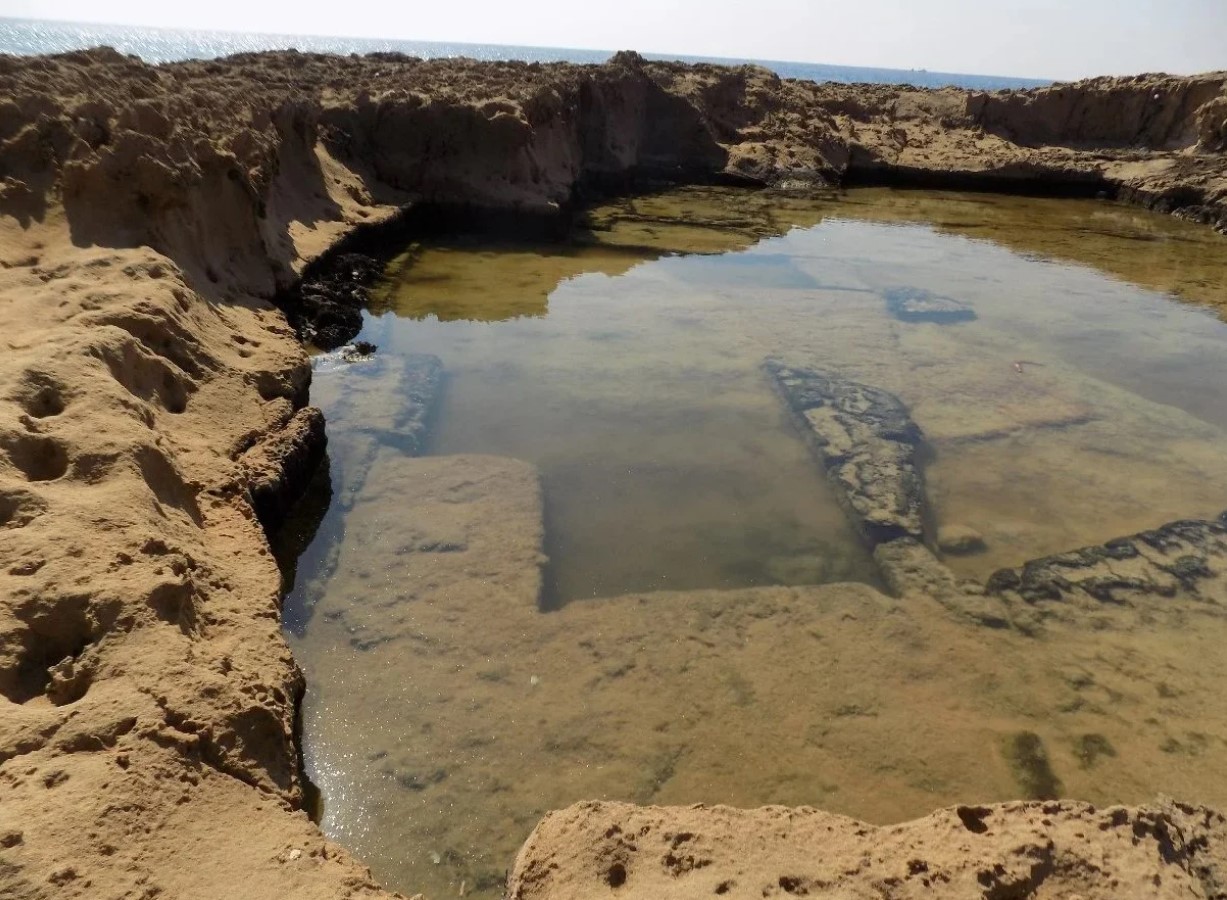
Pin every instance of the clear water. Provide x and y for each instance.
(665, 465)
(710, 630)
(155, 45)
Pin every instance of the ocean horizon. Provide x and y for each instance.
(27, 37)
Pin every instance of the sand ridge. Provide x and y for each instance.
(1053, 849)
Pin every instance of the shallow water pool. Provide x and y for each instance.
(663, 644)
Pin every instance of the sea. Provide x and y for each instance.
(26, 37)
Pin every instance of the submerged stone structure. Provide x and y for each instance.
(870, 450)
(915, 305)
(1185, 559)
(868, 445)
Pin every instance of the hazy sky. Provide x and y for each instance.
(1038, 38)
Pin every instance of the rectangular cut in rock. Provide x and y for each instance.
(866, 442)
(458, 532)
(392, 398)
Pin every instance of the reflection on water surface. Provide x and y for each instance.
(1073, 402)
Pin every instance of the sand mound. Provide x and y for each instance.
(1054, 849)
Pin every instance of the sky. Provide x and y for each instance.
(1060, 39)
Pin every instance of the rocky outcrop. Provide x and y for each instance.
(325, 306)
(1052, 849)
(1149, 139)
(148, 696)
(1146, 111)
(871, 451)
(868, 446)
(242, 170)
(1187, 558)
(280, 466)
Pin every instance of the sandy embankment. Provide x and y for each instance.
(153, 401)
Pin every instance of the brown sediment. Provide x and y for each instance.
(153, 407)
(1052, 849)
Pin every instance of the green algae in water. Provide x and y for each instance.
(1028, 758)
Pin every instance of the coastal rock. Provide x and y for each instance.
(147, 432)
(147, 216)
(281, 465)
(245, 171)
(358, 351)
(867, 444)
(1179, 559)
(326, 306)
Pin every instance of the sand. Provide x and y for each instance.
(1058, 849)
(153, 417)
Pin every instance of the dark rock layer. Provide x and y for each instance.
(867, 443)
(1188, 558)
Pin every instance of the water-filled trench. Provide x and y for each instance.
(577, 547)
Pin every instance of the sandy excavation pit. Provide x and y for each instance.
(155, 428)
